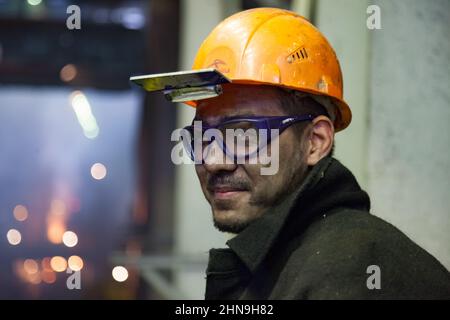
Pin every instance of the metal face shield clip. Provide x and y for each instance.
(184, 85)
(193, 93)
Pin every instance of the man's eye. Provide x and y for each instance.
(244, 125)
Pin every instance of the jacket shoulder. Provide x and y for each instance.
(339, 253)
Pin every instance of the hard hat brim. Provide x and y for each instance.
(343, 115)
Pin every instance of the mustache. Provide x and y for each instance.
(227, 180)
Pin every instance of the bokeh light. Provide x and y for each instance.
(14, 237)
(58, 264)
(34, 2)
(45, 263)
(48, 276)
(84, 114)
(20, 212)
(68, 73)
(34, 278)
(55, 229)
(75, 263)
(98, 171)
(30, 266)
(70, 239)
(120, 273)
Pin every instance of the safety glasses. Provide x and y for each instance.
(239, 138)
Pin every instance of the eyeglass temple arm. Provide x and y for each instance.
(282, 123)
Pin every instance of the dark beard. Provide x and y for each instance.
(294, 178)
(235, 227)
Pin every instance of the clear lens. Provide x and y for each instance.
(241, 138)
(238, 140)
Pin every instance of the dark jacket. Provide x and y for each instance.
(318, 244)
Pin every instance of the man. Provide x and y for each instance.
(305, 231)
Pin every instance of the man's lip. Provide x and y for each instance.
(227, 194)
(226, 189)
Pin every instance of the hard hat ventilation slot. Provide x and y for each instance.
(298, 54)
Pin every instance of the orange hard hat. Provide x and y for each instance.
(260, 46)
(275, 47)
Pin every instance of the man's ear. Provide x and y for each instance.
(320, 139)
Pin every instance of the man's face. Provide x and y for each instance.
(238, 193)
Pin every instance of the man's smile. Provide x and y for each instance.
(226, 192)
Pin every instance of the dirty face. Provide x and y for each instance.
(238, 193)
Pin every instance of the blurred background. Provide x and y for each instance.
(86, 179)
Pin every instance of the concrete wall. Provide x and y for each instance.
(409, 132)
(344, 24)
(397, 81)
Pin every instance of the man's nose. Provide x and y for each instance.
(215, 159)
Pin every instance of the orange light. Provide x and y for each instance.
(45, 263)
(30, 266)
(48, 276)
(68, 72)
(19, 270)
(55, 232)
(59, 264)
(20, 212)
(75, 263)
(34, 278)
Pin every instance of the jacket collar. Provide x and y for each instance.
(328, 185)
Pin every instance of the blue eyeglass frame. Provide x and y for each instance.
(261, 122)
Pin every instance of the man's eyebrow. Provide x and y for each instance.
(200, 119)
(216, 120)
(241, 115)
